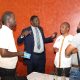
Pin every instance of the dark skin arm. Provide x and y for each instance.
(70, 50)
(6, 53)
(25, 33)
(48, 39)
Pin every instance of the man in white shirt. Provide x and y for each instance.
(74, 50)
(61, 62)
(8, 51)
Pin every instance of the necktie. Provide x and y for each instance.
(60, 52)
(38, 38)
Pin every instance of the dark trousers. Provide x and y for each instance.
(63, 71)
(13, 78)
(7, 74)
(10, 74)
(36, 63)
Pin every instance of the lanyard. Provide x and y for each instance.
(60, 52)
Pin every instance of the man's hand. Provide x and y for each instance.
(56, 50)
(25, 33)
(70, 50)
(20, 54)
(54, 35)
(75, 51)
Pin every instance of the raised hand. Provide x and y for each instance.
(56, 50)
(20, 53)
(54, 35)
(25, 33)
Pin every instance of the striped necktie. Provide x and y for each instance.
(38, 38)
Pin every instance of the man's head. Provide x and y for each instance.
(8, 19)
(34, 20)
(64, 28)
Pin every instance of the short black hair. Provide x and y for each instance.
(33, 17)
(5, 16)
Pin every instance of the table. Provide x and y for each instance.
(41, 76)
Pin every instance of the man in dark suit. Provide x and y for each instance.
(34, 40)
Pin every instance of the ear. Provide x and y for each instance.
(31, 22)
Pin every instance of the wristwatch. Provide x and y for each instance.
(22, 36)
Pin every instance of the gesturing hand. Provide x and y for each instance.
(54, 35)
(20, 53)
(56, 50)
(25, 33)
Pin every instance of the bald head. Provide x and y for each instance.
(66, 24)
(64, 28)
(8, 19)
(6, 16)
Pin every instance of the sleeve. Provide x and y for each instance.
(75, 41)
(46, 39)
(20, 39)
(56, 45)
(4, 41)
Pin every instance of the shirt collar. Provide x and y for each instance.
(33, 26)
(4, 26)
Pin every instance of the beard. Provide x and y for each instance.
(78, 30)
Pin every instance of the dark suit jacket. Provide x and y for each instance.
(29, 40)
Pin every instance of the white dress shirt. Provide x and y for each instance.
(36, 50)
(76, 43)
(7, 42)
(64, 62)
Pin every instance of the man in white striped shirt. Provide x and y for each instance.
(61, 62)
